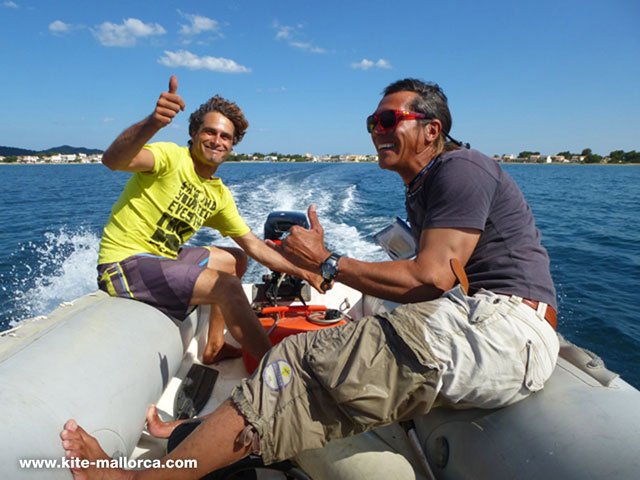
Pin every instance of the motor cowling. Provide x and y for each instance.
(279, 222)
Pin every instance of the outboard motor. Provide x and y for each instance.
(279, 286)
(278, 223)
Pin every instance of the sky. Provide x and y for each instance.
(547, 75)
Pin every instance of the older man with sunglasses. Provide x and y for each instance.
(487, 342)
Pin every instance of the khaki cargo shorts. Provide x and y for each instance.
(337, 382)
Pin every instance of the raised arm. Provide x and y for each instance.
(126, 152)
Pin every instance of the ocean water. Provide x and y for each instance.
(51, 219)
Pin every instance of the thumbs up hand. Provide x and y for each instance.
(304, 247)
(169, 104)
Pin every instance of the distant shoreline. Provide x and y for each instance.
(38, 164)
(362, 163)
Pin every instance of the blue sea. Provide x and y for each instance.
(52, 216)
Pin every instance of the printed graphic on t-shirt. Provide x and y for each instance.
(185, 215)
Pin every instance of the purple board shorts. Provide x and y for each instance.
(164, 283)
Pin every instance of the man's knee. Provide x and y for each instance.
(216, 286)
(229, 260)
(241, 261)
(228, 285)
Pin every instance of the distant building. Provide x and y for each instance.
(28, 159)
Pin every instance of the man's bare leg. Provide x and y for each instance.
(234, 262)
(214, 444)
(214, 287)
(217, 349)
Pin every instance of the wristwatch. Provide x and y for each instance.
(329, 270)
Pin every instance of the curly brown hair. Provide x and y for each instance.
(229, 109)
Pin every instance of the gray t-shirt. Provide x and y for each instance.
(466, 189)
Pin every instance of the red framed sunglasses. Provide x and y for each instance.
(389, 119)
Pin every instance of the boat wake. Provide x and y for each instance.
(44, 274)
(348, 229)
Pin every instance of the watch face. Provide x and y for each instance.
(329, 268)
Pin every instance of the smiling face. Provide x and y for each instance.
(212, 143)
(404, 149)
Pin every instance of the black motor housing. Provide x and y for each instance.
(278, 286)
(279, 222)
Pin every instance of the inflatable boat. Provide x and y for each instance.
(103, 360)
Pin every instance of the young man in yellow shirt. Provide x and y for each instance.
(172, 194)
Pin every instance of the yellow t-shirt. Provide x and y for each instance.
(159, 211)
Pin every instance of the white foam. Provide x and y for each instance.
(335, 203)
(65, 269)
(349, 201)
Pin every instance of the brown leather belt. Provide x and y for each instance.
(550, 314)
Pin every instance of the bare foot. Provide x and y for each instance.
(79, 445)
(156, 427)
(214, 353)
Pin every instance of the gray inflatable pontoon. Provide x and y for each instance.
(103, 360)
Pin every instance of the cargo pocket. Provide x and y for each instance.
(484, 311)
(535, 370)
(361, 372)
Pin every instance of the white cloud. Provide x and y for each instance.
(58, 26)
(197, 24)
(291, 35)
(366, 64)
(363, 65)
(307, 47)
(10, 4)
(283, 32)
(184, 58)
(127, 33)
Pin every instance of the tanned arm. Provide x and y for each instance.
(423, 278)
(270, 258)
(126, 152)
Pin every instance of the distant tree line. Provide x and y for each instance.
(620, 156)
(250, 156)
(63, 149)
(617, 156)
